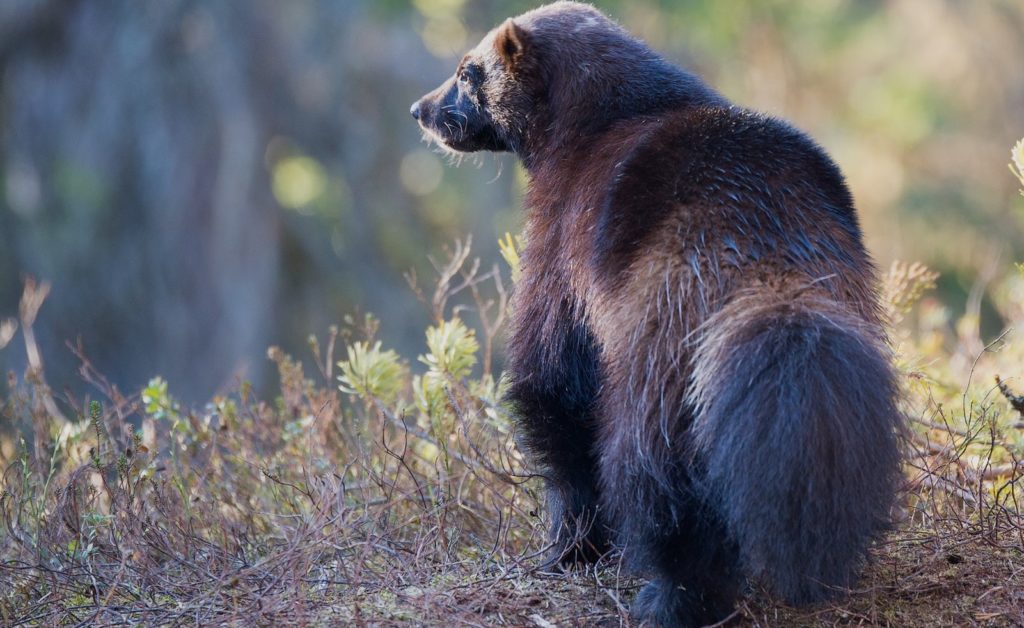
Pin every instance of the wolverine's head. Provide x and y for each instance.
(548, 77)
(485, 104)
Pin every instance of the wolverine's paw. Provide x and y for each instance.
(577, 541)
(668, 605)
(572, 552)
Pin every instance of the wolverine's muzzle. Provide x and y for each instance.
(455, 116)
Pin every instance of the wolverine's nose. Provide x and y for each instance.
(415, 110)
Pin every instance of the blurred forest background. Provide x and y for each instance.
(202, 179)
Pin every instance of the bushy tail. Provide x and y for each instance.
(797, 429)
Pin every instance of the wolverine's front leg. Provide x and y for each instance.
(555, 380)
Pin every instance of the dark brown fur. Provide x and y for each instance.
(695, 299)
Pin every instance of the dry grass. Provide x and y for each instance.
(320, 507)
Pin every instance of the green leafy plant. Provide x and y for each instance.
(452, 349)
(510, 246)
(158, 402)
(1017, 162)
(372, 372)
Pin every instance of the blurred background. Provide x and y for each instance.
(202, 179)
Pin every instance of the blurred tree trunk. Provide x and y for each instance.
(134, 180)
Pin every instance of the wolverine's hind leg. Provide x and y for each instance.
(553, 398)
(692, 568)
(667, 532)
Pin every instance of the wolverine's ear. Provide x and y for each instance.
(511, 41)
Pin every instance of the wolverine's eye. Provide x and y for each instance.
(469, 74)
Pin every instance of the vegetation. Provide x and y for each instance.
(365, 493)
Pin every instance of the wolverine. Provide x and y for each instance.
(698, 363)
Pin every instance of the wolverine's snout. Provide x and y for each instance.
(437, 119)
(453, 117)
